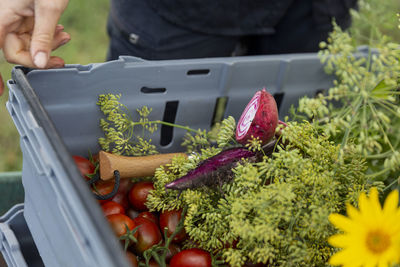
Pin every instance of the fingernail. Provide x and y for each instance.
(40, 59)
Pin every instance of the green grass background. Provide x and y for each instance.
(86, 22)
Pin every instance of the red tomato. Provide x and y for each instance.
(173, 249)
(138, 195)
(170, 220)
(84, 165)
(106, 187)
(132, 259)
(132, 213)
(122, 195)
(95, 157)
(112, 207)
(119, 222)
(193, 257)
(149, 215)
(152, 263)
(148, 234)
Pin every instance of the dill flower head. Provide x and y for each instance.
(371, 235)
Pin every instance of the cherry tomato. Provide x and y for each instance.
(132, 259)
(122, 195)
(119, 222)
(149, 215)
(152, 263)
(95, 157)
(170, 220)
(112, 207)
(132, 213)
(193, 257)
(148, 234)
(106, 187)
(173, 249)
(138, 195)
(84, 165)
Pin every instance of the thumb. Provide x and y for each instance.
(47, 14)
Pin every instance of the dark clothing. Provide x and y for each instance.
(174, 29)
(232, 17)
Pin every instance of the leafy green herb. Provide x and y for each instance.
(362, 107)
(284, 222)
(120, 129)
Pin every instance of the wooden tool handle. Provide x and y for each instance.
(132, 167)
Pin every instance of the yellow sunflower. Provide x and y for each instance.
(371, 235)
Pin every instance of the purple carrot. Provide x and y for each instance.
(212, 171)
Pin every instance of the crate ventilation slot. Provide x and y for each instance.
(198, 72)
(219, 110)
(278, 99)
(153, 90)
(320, 91)
(167, 132)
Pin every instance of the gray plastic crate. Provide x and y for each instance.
(56, 115)
(17, 246)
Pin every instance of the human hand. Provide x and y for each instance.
(29, 32)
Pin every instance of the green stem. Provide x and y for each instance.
(380, 127)
(383, 105)
(390, 185)
(379, 156)
(159, 260)
(347, 132)
(377, 174)
(167, 124)
(169, 239)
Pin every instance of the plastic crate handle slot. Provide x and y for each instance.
(278, 99)
(167, 132)
(153, 90)
(198, 72)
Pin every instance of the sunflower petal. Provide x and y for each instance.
(375, 205)
(383, 263)
(352, 212)
(340, 241)
(391, 202)
(365, 208)
(345, 257)
(342, 222)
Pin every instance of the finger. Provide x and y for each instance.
(47, 14)
(59, 28)
(60, 39)
(55, 62)
(26, 25)
(5, 23)
(2, 34)
(14, 50)
(1, 85)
